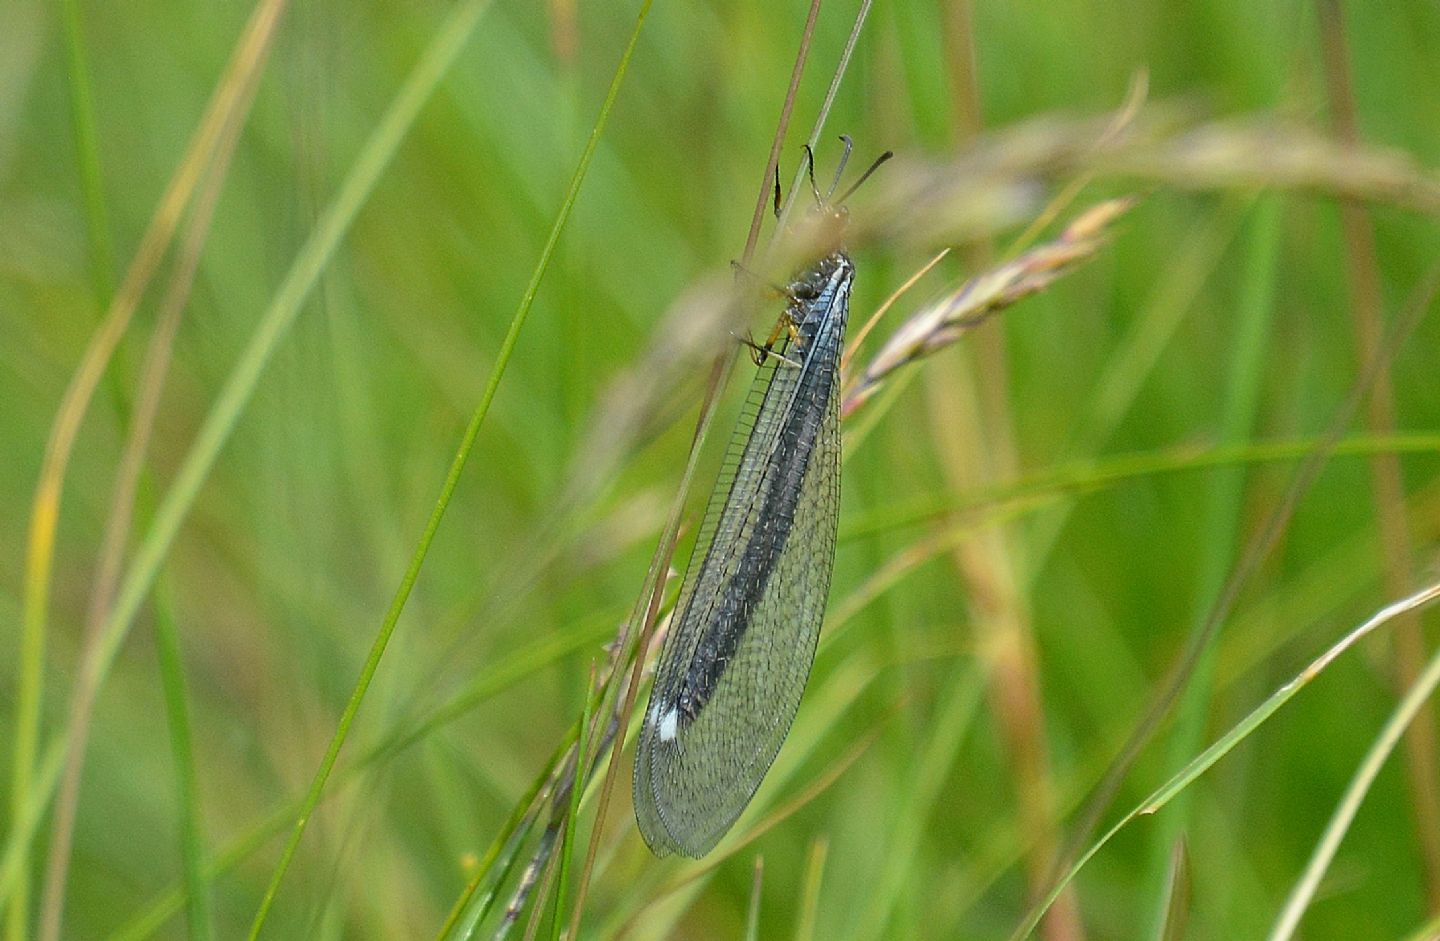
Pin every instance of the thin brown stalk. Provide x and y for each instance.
(821, 116)
(532, 925)
(1387, 485)
(117, 528)
(772, 163)
(646, 617)
(752, 915)
(972, 426)
(248, 57)
(810, 897)
(1177, 894)
(564, 31)
(655, 582)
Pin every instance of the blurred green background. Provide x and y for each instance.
(1000, 676)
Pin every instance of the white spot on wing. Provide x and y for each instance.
(669, 725)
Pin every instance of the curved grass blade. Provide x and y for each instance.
(1304, 891)
(1202, 762)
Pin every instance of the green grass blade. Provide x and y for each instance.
(27, 819)
(28, 801)
(172, 675)
(440, 55)
(1139, 353)
(1238, 733)
(1092, 476)
(496, 679)
(1222, 513)
(312, 259)
(473, 905)
(1349, 806)
(957, 709)
(87, 146)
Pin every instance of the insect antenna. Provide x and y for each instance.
(840, 167)
(810, 171)
(865, 176)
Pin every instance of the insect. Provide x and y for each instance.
(745, 627)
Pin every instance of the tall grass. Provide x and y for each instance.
(1112, 515)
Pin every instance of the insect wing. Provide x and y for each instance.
(695, 774)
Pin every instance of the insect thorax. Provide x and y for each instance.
(811, 284)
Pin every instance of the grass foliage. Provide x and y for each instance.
(351, 359)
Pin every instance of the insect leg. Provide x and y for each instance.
(759, 352)
(778, 290)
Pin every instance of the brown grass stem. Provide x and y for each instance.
(247, 59)
(122, 505)
(1387, 484)
(972, 423)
